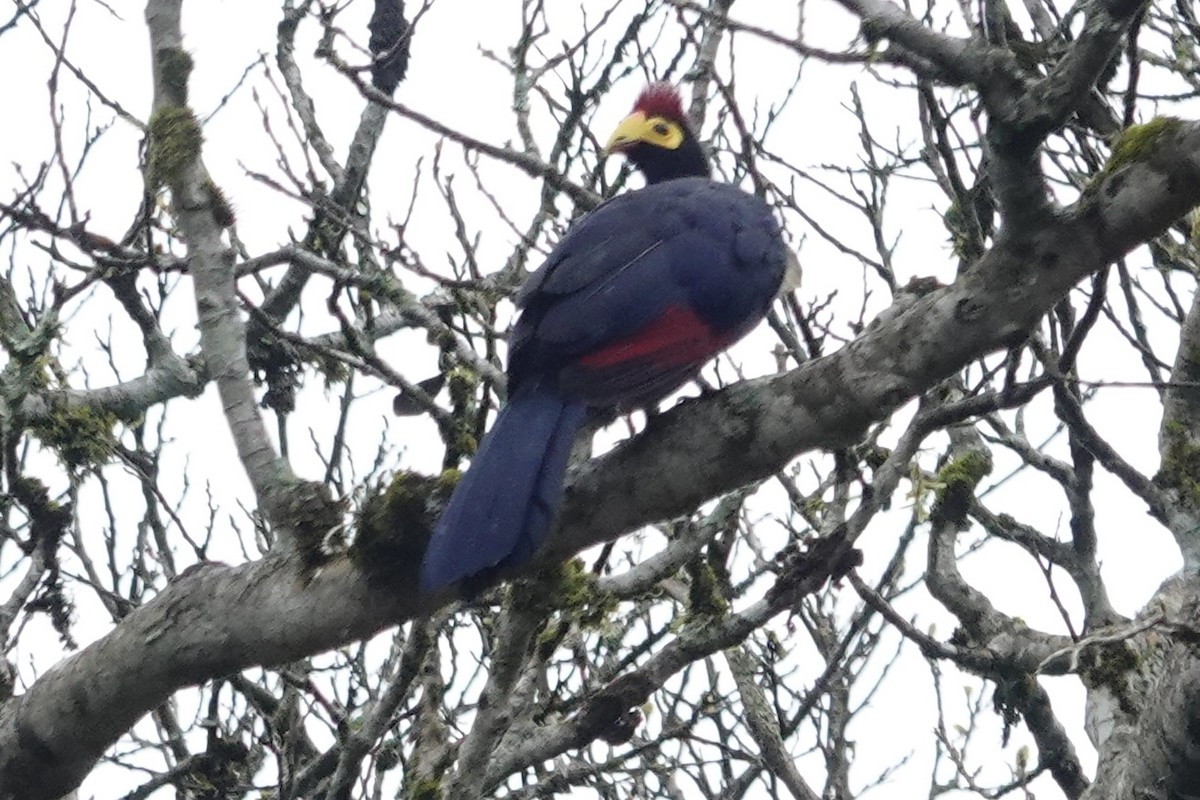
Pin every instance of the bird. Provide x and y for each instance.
(636, 297)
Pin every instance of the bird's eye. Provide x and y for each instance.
(662, 129)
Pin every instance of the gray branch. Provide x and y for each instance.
(222, 333)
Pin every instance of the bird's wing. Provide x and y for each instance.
(646, 288)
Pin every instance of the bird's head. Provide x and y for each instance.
(657, 138)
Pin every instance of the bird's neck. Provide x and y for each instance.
(658, 165)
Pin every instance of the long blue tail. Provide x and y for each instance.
(503, 507)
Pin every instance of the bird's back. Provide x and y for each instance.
(646, 288)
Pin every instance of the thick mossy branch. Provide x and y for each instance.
(574, 587)
(174, 68)
(222, 209)
(462, 383)
(957, 480)
(394, 527)
(428, 789)
(1108, 665)
(175, 142)
(705, 595)
(568, 596)
(568, 589)
(1136, 142)
(1180, 469)
(316, 520)
(78, 435)
(175, 136)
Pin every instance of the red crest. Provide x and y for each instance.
(661, 100)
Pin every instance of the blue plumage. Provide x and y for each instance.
(637, 296)
(689, 242)
(502, 508)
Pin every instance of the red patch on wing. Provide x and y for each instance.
(675, 339)
(661, 100)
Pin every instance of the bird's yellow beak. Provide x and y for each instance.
(633, 129)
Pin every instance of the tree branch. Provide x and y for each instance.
(175, 158)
